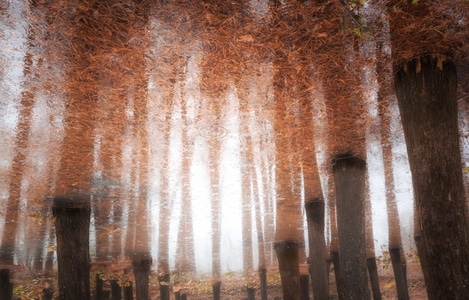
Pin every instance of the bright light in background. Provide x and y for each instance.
(231, 250)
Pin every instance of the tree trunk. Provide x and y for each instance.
(426, 92)
(247, 190)
(141, 263)
(370, 249)
(99, 287)
(251, 293)
(185, 260)
(349, 176)
(48, 293)
(72, 225)
(216, 288)
(335, 257)
(399, 269)
(334, 244)
(246, 217)
(289, 268)
(116, 290)
(374, 279)
(6, 288)
(263, 283)
(304, 287)
(128, 291)
(315, 213)
(385, 105)
(164, 281)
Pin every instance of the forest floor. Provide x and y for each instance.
(234, 286)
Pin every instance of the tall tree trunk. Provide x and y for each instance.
(394, 229)
(349, 176)
(214, 157)
(385, 98)
(72, 191)
(164, 204)
(247, 188)
(185, 256)
(142, 258)
(246, 205)
(313, 195)
(426, 92)
(288, 234)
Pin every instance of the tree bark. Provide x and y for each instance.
(263, 283)
(6, 288)
(128, 292)
(216, 288)
(349, 176)
(48, 293)
(370, 249)
(426, 92)
(374, 279)
(304, 287)
(247, 190)
(399, 269)
(315, 213)
(385, 105)
(185, 259)
(116, 290)
(335, 257)
(72, 225)
(289, 268)
(141, 263)
(99, 287)
(251, 293)
(164, 281)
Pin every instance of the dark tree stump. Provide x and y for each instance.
(141, 264)
(216, 288)
(426, 89)
(315, 212)
(128, 291)
(251, 293)
(72, 224)
(184, 296)
(349, 177)
(164, 281)
(99, 287)
(263, 283)
(374, 279)
(116, 290)
(400, 277)
(304, 284)
(6, 288)
(288, 261)
(177, 295)
(47, 293)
